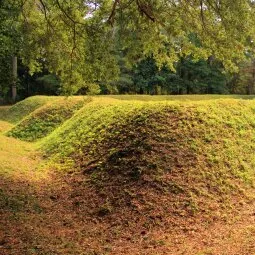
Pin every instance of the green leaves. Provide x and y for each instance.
(79, 41)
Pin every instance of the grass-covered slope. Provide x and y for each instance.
(154, 163)
(15, 156)
(46, 118)
(17, 112)
(179, 97)
(4, 126)
(141, 178)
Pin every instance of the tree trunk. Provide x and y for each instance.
(14, 78)
(253, 78)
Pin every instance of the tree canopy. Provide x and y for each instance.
(80, 41)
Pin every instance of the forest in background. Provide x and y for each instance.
(190, 77)
(126, 47)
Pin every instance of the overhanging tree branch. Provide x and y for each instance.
(145, 9)
(67, 14)
(111, 17)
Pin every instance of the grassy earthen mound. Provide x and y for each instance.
(145, 168)
(46, 118)
(20, 110)
(140, 178)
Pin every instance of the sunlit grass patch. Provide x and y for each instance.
(5, 126)
(18, 160)
(45, 119)
(17, 112)
(179, 97)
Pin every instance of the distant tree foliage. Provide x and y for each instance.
(80, 41)
(190, 77)
(243, 82)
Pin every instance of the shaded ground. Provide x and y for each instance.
(44, 218)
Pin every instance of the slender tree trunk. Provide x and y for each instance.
(14, 78)
(253, 78)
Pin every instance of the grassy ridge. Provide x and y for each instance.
(158, 177)
(17, 112)
(213, 123)
(45, 119)
(209, 143)
(191, 156)
(179, 97)
(87, 126)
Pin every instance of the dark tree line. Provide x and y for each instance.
(190, 77)
(74, 47)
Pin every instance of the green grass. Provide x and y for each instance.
(17, 112)
(87, 126)
(46, 118)
(17, 158)
(206, 140)
(132, 167)
(179, 97)
(4, 126)
(207, 146)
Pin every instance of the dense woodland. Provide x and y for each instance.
(126, 47)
